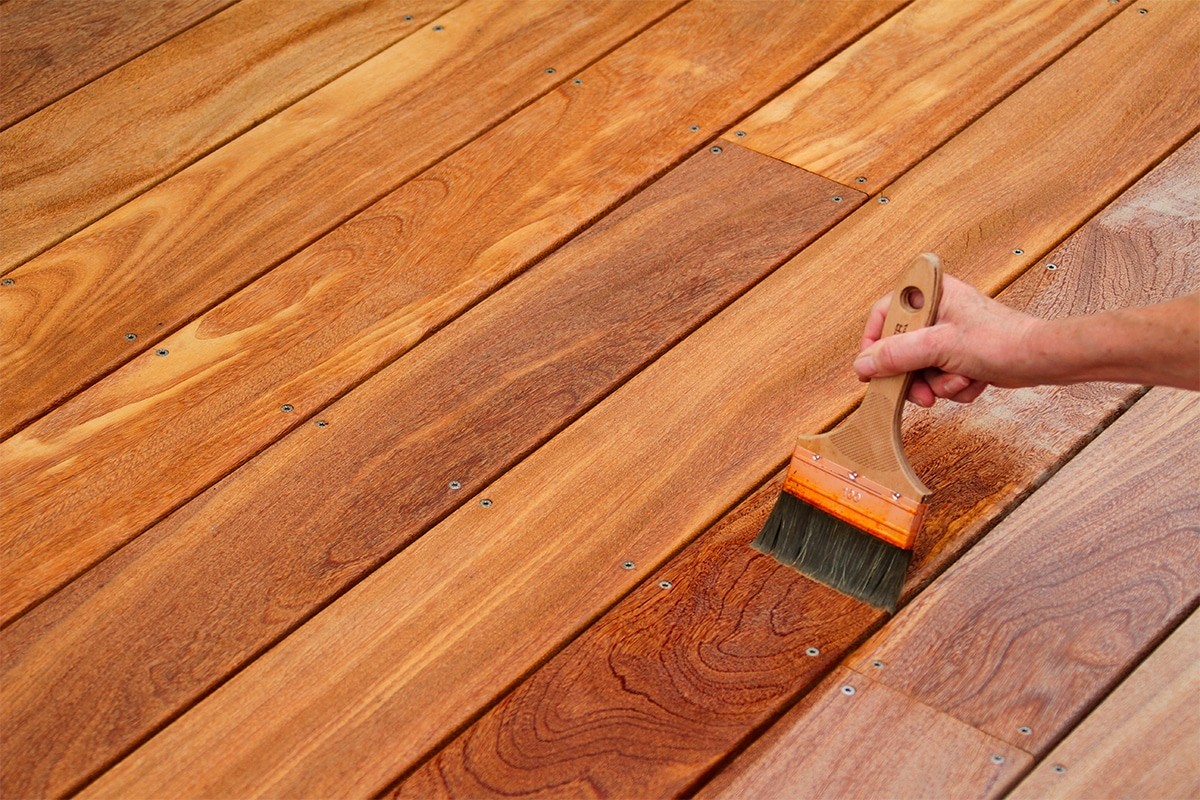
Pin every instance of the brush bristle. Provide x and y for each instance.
(834, 552)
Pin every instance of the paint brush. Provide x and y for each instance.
(851, 505)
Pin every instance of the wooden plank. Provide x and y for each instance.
(1142, 741)
(1026, 633)
(441, 630)
(504, 377)
(50, 48)
(652, 696)
(870, 742)
(90, 152)
(881, 105)
(194, 239)
(403, 268)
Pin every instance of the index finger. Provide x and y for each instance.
(875, 318)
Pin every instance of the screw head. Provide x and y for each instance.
(628, 565)
(287, 408)
(693, 128)
(439, 27)
(714, 150)
(812, 652)
(408, 17)
(1025, 730)
(847, 690)
(578, 81)
(455, 485)
(740, 134)
(550, 70)
(1143, 11)
(1018, 251)
(131, 337)
(486, 503)
(997, 758)
(7, 282)
(321, 423)
(162, 352)
(860, 179)
(1052, 267)
(664, 584)
(877, 664)
(884, 200)
(837, 198)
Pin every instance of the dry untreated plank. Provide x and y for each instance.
(431, 638)
(854, 738)
(90, 152)
(653, 695)
(878, 107)
(465, 405)
(51, 47)
(1026, 632)
(1142, 741)
(190, 241)
(84, 480)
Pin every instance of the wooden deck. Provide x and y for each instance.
(391, 389)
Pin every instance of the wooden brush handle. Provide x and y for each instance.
(923, 275)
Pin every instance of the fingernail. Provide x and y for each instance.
(864, 365)
(957, 384)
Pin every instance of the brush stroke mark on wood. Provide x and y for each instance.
(1038, 621)
(469, 607)
(50, 48)
(90, 152)
(173, 251)
(1142, 741)
(346, 306)
(898, 93)
(463, 406)
(854, 738)
(655, 693)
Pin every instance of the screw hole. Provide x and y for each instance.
(550, 70)
(740, 134)
(847, 690)
(884, 200)
(997, 758)
(860, 179)
(1059, 768)
(287, 408)
(439, 27)
(131, 337)
(1025, 730)
(322, 423)
(693, 128)
(455, 486)
(408, 17)
(837, 198)
(812, 652)
(486, 503)
(1143, 11)
(628, 565)
(578, 81)
(877, 664)
(664, 584)
(162, 352)
(7, 282)
(1052, 267)
(715, 150)
(1018, 251)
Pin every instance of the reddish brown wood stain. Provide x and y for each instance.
(463, 406)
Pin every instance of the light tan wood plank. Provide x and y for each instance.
(853, 738)
(387, 278)
(473, 604)
(869, 114)
(177, 249)
(1032, 627)
(657, 692)
(49, 48)
(1143, 741)
(85, 155)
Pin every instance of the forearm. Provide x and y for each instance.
(1157, 345)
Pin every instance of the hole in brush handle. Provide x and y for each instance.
(912, 299)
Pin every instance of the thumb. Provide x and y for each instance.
(903, 352)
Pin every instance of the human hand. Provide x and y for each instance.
(975, 342)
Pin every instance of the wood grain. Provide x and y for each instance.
(464, 406)
(873, 742)
(653, 695)
(1142, 741)
(85, 479)
(73, 162)
(49, 48)
(1046, 614)
(189, 242)
(471, 606)
(882, 104)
